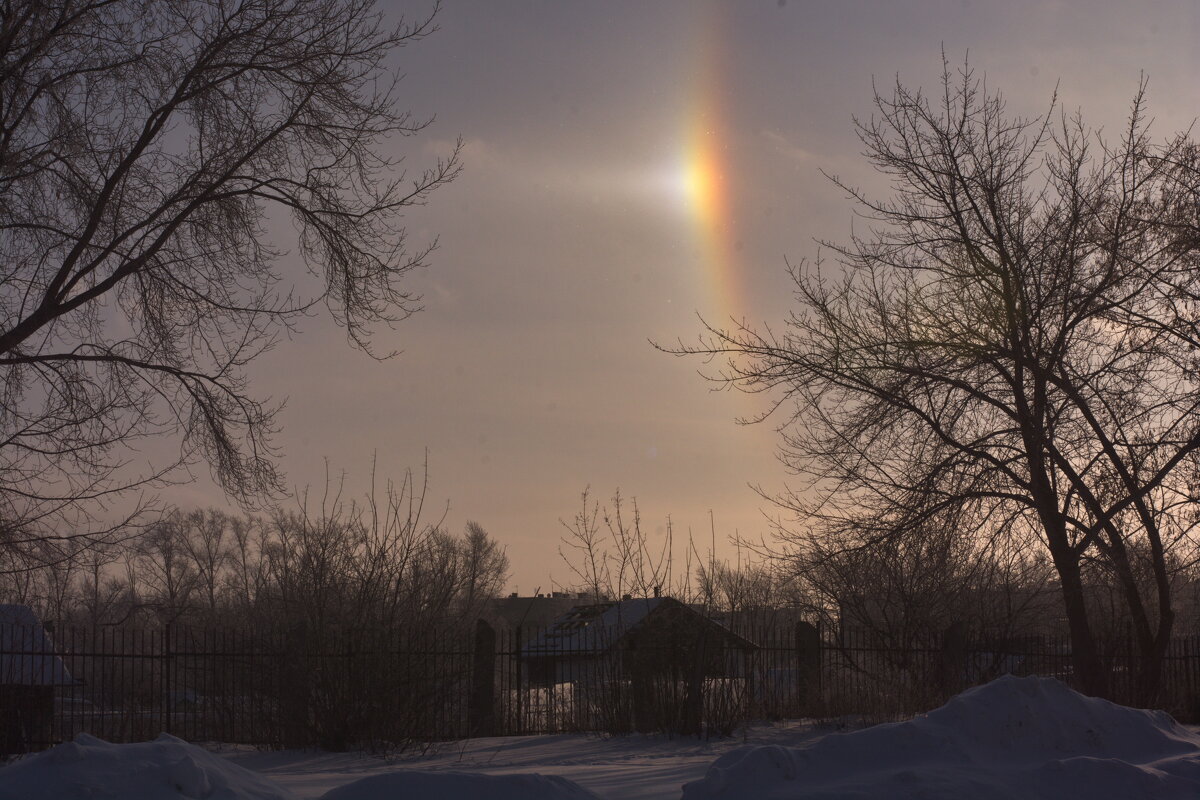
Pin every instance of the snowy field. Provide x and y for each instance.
(628, 767)
(1024, 738)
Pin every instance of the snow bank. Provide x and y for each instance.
(459, 786)
(1012, 738)
(165, 769)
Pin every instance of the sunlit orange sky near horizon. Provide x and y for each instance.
(629, 167)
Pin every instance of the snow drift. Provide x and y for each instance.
(459, 786)
(171, 769)
(164, 769)
(1012, 738)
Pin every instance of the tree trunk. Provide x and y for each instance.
(1089, 673)
(1150, 662)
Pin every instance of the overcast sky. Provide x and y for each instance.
(628, 165)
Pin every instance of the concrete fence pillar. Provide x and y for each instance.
(481, 706)
(808, 667)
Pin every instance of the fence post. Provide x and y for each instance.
(953, 666)
(521, 682)
(808, 666)
(481, 707)
(166, 654)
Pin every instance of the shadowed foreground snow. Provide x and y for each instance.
(1024, 738)
(626, 767)
(1018, 738)
(453, 785)
(171, 769)
(164, 769)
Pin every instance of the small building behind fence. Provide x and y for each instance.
(644, 663)
(30, 671)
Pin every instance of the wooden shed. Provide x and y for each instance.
(30, 670)
(655, 655)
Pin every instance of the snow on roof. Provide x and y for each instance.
(592, 629)
(589, 630)
(27, 655)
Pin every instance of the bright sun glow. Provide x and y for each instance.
(707, 195)
(702, 182)
(707, 172)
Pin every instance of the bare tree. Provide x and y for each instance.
(484, 567)
(370, 563)
(103, 596)
(246, 571)
(619, 558)
(900, 586)
(145, 148)
(162, 570)
(1017, 330)
(742, 592)
(205, 539)
(588, 559)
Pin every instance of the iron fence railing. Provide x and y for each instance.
(390, 687)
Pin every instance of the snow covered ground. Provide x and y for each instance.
(164, 769)
(1024, 738)
(621, 768)
(1012, 739)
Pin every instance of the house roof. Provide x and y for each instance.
(531, 612)
(27, 655)
(592, 629)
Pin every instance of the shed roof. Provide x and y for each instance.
(27, 655)
(592, 629)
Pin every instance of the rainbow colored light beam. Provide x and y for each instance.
(708, 175)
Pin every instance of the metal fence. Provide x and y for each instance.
(395, 687)
(273, 688)
(862, 673)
